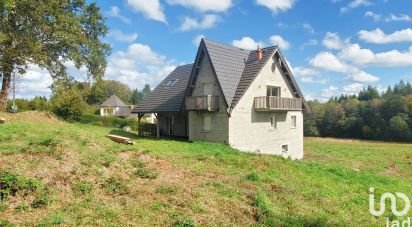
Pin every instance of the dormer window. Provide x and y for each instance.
(273, 91)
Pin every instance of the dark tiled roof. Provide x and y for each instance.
(252, 69)
(169, 95)
(228, 63)
(123, 111)
(113, 101)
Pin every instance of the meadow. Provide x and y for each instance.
(53, 172)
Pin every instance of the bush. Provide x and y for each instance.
(146, 173)
(253, 176)
(115, 185)
(112, 122)
(68, 103)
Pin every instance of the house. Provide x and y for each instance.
(114, 106)
(246, 99)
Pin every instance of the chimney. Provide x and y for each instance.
(259, 53)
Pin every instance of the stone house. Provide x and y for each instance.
(246, 99)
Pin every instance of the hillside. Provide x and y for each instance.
(52, 172)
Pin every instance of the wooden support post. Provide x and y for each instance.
(139, 117)
(157, 125)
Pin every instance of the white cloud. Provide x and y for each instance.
(120, 36)
(138, 65)
(247, 43)
(197, 39)
(308, 75)
(363, 77)
(350, 89)
(204, 6)
(329, 62)
(279, 41)
(355, 4)
(354, 54)
(374, 16)
(150, 9)
(276, 6)
(115, 12)
(208, 21)
(311, 42)
(308, 28)
(379, 37)
(332, 41)
(330, 91)
(400, 17)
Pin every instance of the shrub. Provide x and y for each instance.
(109, 121)
(146, 173)
(184, 223)
(253, 176)
(82, 188)
(11, 183)
(166, 189)
(115, 185)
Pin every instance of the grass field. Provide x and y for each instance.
(53, 172)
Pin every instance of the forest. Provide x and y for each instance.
(371, 115)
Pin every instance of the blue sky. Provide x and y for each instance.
(333, 46)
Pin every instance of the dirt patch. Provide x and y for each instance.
(32, 116)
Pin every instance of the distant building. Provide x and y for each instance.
(247, 99)
(114, 106)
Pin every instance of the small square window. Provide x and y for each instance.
(273, 122)
(293, 121)
(285, 148)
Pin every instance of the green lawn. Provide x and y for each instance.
(53, 172)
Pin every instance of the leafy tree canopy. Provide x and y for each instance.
(49, 33)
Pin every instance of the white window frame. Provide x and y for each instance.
(273, 122)
(270, 91)
(207, 123)
(293, 121)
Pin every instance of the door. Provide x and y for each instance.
(207, 89)
(171, 125)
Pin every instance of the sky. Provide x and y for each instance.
(333, 46)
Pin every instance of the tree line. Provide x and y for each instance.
(71, 99)
(368, 115)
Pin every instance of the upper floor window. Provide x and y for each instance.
(207, 89)
(293, 121)
(273, 91)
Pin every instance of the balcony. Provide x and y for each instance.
(272, 103)
(202, 103)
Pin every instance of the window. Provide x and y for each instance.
(273, 122)
(293, 121)
(273, 91)
(207, 123)
(285, 148)
(108, 111)
(207, 89)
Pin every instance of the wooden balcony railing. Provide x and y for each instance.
(202, 103)
(272, 103)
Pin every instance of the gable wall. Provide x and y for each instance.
(251, 131)
(220, 122)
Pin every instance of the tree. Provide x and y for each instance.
(67, 102)
(146, 90)
(137, 97)
(48, 33)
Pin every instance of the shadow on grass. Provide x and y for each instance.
(134, 136)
